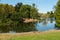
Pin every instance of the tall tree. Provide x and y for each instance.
(57, 14)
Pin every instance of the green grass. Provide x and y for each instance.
(40, 36)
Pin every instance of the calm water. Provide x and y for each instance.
(42, 25)
(45, 25)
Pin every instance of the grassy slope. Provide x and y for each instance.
(48, 35)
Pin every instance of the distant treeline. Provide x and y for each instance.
(11, 16)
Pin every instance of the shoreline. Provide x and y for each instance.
(7, 36)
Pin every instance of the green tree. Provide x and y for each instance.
(57, 14)
(11, 17)
(25, 11)
(18, 6)
(50, 14)
(5, 13)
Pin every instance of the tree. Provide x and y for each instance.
(11, 17)
(25, 11)
(18, 6)
(50, 14)
(5, 13)
(33, 5)
(57, 14)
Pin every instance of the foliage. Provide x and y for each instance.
(11, 17)
(50, 14)
(57, 14)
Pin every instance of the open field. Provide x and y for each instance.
(47, 35)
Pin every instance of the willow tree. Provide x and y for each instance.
(57, 14)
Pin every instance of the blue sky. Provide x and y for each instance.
(42, 5)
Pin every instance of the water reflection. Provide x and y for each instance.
(44, 22)
(42, 25)
(47, 24)
(21, 27)
(51, 20)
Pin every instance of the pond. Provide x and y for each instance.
(46, 24)
(42, 25)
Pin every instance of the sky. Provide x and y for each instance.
(42, 5)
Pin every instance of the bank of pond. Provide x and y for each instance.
(42, 25)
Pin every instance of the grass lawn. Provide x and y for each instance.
(51, 35)
(48, 35)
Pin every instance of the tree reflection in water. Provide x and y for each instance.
(44, 22)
